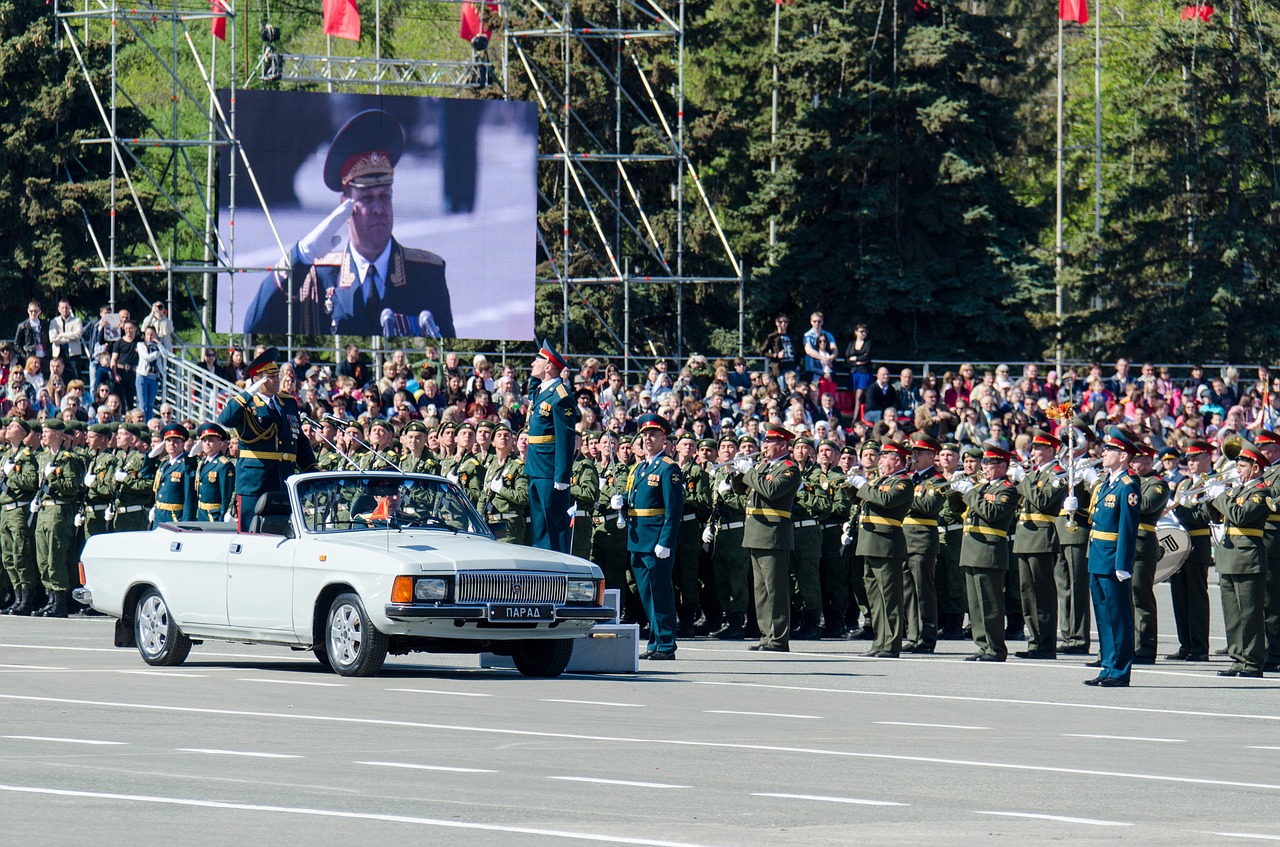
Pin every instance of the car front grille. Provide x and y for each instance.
(512, 588)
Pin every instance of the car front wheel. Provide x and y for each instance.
(160, 641)
(354, 646)
(543, 658)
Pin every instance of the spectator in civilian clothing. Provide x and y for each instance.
(778, 347)
(907, 392)
(1120, 381)
(65, 331)
(880, 396)
(32, 336)
(858, 354)
(356, 367)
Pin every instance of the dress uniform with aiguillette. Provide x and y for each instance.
(1035, 545)
(175, 481)
(1189, 585)
(215, 479)
(1113, 542)
(884, 503)
(655, 504)
(549, 462)
(1155, 497)
(1241, 559)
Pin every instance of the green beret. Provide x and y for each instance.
(486, 424)
(100, 429)
(76, 426)
(465, 425)
(387, 425)
(414, 426)
(22, 422)
(827, 442)
(848, 450)
(747, 439)
(951, 445)
(971, 451)
(54, 424)
(448, 425)
(709, 443)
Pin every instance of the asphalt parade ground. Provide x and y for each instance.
(260, 745)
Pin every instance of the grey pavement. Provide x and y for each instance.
(261, 745)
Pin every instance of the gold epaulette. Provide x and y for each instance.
(561, 391)
(1125, 478)
(332, 259)
(426, 257)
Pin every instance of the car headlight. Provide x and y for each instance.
(432, 588)
(581, 591)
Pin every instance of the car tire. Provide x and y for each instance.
(547, 658)
(321, 654)
(159, 640)
(354, 646)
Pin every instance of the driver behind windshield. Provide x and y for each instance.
(378, 504)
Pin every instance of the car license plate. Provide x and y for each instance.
(522, 612)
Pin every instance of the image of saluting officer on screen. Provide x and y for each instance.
(373, 285)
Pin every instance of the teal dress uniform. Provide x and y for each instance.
(1113, 542)
(271, 449)
(655, 504)
(175, 485)
(215, 488)
(552, 416)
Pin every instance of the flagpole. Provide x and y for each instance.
(1057, 253)
(1097, 141)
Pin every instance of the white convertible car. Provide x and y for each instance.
(350, 566)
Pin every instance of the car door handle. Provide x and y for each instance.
(235, 548)
(175, 547)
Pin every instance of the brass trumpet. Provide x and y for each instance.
(1061, 475)
(1227, 476)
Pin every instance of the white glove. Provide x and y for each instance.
(256, 385)
(708, 535)
(451, 476)
(110, 514)
(1089, 476)
(962, 486)
(120, 476)
(156, 449)
(845, 539)
(1214, 490)
(228, 517)
(856, 481)
(35, 505)
(617, 501)
(724, 487)
(325, 236)
(8, 468)
(496, 486)
(1123, 575)
(1071, 503)
(1017, 473)
(78, 520)
(90, 478)
(743, 465)
(49, 469)
(560, 486)
(661, 552)
(151, 514)
(195, 449)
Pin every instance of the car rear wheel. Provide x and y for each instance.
(160, 641)
(546, 658)
(354, 646)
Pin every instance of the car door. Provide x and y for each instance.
(192, 575)
(260, 582)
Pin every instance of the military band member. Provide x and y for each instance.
(949, 580)
(1269, 443)
(175, 478)
(655, 504)
(1241, 559)
(920, 533)
(17, 538)
(984, 555)
(506, 506)
(833, 569)
(1113, 541)
(99, 479)
(584, 489)
(1036, 546)
(860, 579)
(54, 510)
(1071, 573)
(812, 506)
(215, 475)
(884, 503)
(1189, 586)
(1155, 497)
(549, 464)
(730, 561)
(134, 478)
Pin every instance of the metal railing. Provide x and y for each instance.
(194, 392)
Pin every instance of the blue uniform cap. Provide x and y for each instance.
(1117, 438)
(365, 151)
(653, 422)
(174, 430)
(548, 352)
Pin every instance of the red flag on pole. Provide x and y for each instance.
(1193, 12)
(341, 18)
(218, 25)
(1074, 10)
(471, 26)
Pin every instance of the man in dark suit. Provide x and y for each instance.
(373, 286)
(880, 396)
(655, 509)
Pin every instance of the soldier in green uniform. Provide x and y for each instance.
(414, 455)
(697, 508)
(463, 467)
(329, 459)
(17, 538)
(730, 562)
(608, 540)
(859, 576)
(484, 442)
(1269, 443)
(134, 478)
(175, 478)
(920, 532)
(1155, 497)
(883, 503)
(1189, 587)
(1035, 545)
(1072, 570)
(948, 578)
(215, 475)
(1241, 559)
(506, 505)
(584, 489)
(984, 556)
(99, 480)
(383, 454)
(53, 512)
(812, 506)
(833, 568)
(655, 489)
(769, 486)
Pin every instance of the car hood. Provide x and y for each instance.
(435, 550)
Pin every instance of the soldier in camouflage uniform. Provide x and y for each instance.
(484, 442)
(134, 478)
(17, 539)
(608, 541)
(327, 456)
(812, 506)
(414, 455)
(53, 514)
(463, 467)
(506, 503)
(697, 507)
(384, 455)
(584, 490)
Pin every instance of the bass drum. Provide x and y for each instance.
(1175, 547)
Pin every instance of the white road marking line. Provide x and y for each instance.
(261, 657)
(434, 691)
(761, 714)
(831, 799)
(295, 682)
(1060, 818)
(33, 668)
(238, 753)
(425, 767)
(66, 740)
(669, 742)
(1124, 738)
(168, 673)
(1254, 835)
(929, 725)
(1262, 748)
(331, 813)
(595, 703)
(618, 782)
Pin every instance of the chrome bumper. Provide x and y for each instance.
(422, 611)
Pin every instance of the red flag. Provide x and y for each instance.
(471, 26)
(342, 18)
(218, 25)
(1201, 12)
(1074, 10)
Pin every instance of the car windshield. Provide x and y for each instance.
(344, 502)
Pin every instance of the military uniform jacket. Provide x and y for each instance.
(1041, 508)
(1272, 477)
(175, 486)
(1073, 530)
(655, 504)
(425, 463)
(324, 296)
(613, 480)
(470, 475)
(370, 461)
(1113, 514)
(841, 497)
(726, 506)
(697, 491)
(271, 449)
(513, 499)
(1195, 520)
(1155, 497)
(552, 416)
(584, 486)
(883, 503)
(102, 490)
(813, 497)
(215, 487)
(22, 482)
(920, 526)
(993, 508)
(64, 484)
(770, 491)
(1244, 509)
(138, 486)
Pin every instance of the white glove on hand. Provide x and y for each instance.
(1089, 476)
(845, 539)
(496, 486)
(1071, 503)
(725, 486)
(49, 469)
(452, 477)
(325, 236)
(255, 386)
(35, 505)
(78, 520)
(1017, 473)
(1214, 490)
(8, 468)
(708, 535)
(228, 517)
(661, 552)
(156, 449)
(962, 486)
(110, 514)
(151, 514)
(856, 481)
(743, 465)
(617, 501)
(196, 447)
(90, 478)
(560, 486)
(120, 476)
(1123, 575)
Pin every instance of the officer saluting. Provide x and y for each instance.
(215, 475)
(269, 428)
(655, 506)
(549, 464)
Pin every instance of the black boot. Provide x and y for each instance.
(41, 607)
(7, 601)
(733, 629)
(952, 627)
(1014, 628)
(57, 607)
(684, 621)
(808, 630)
(833, 624)
(26, 603)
